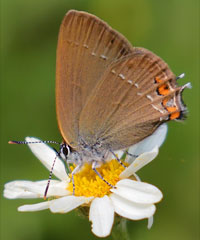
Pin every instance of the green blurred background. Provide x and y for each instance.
(29, 32)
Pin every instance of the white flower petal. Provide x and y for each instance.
(22, 183)
(138, 192)
(130, 210)
(147, 144)
(47, 155)
(137, 178)
(139, 162)
(34, 207)
(58, 189)
(10, 194)
(66, 204)
(19, 189)
(150, 222)
(102, 216)
(29, 189)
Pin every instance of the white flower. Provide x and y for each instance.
(131, 198)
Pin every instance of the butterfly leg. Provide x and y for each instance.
(76, 169)
(94, 166)
(67, 165)
(117, 158)
(131, 155)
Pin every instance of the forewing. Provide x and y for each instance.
(86, 46)
(134, 96)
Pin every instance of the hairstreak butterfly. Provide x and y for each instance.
(109, 94)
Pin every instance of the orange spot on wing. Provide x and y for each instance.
(164, 90)
(169, 105)
(174, 115)
(172, 109)
(158, 80)
(165, 101)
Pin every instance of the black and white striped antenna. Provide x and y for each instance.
(54, 161)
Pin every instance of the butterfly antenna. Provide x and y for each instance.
(50, 176)
(25, 142)
(51, 172)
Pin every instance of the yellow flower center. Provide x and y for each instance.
(89, 184)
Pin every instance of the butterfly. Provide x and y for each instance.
(109, 94)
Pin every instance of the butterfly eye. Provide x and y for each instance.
(64, 151)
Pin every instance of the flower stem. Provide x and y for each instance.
(120, 231)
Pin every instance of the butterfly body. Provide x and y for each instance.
(88, 153)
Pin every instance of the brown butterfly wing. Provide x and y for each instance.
(86, 46)
(135, 95)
